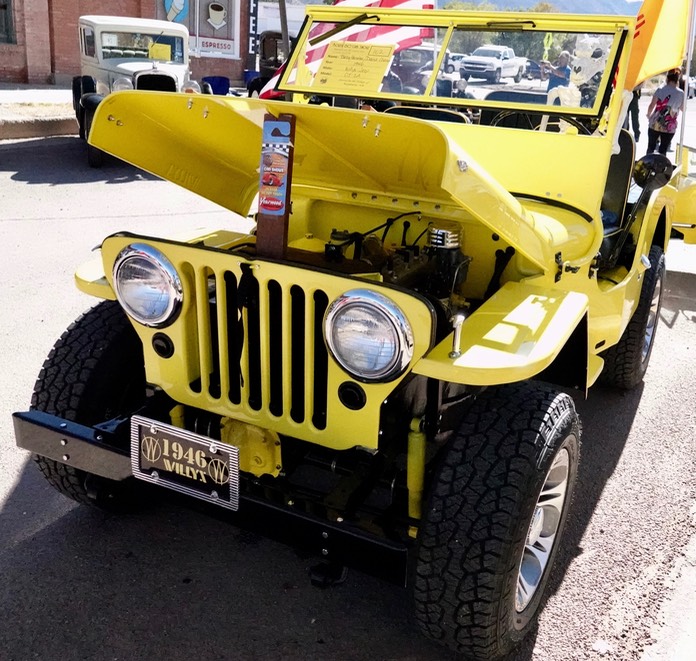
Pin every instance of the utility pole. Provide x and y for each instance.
(284, 27)
(285, 39)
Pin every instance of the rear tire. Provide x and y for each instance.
(93, 373)
(625, 363)
(518, 76)
(95, 157)
(494, 519)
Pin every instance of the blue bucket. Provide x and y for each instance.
(219, 84)
(249, 75)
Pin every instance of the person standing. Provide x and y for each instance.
(558, 75)
(663, 112)
(633, 113)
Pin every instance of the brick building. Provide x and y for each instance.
(39, 44)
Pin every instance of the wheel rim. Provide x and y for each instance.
(543, 530)
(652, 320)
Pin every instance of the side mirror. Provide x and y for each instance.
(652, 171)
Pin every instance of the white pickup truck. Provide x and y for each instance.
(492, 63)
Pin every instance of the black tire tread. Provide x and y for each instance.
(623, 364)
(72, 384)
(479, 494)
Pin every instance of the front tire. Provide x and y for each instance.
(627, 361)
(492, 525)
(93, 373)
(496, 76)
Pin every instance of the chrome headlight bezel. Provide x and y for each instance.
(170, 283)
(121, 83)
(386, 312)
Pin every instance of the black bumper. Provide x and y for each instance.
(88, 449)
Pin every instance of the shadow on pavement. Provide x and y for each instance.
(62, 160)
(170, 583)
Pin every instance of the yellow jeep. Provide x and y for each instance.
(379, 371)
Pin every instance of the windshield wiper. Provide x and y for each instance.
(511, 24)
(339, 28)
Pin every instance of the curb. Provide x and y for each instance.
(11, 129)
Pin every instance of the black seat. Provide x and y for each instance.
(619, 178)
(614, 200)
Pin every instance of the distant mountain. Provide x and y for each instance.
(621, 7)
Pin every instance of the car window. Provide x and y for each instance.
(88, 43)
(159, 47)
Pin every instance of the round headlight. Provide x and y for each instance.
(121, 84)
(147, 285)
(368, 335)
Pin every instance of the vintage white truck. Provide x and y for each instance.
(493, 63)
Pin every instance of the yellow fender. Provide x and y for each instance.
(513, 336)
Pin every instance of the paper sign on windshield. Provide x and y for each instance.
(160, 52)
(353, 66)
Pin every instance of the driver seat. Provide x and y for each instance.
(613, 206)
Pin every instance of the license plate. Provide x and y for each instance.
(186, 462)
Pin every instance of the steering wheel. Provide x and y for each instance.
(504, 114)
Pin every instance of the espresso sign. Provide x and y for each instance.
(275, 174)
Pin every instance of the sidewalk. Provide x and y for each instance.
(32, 111)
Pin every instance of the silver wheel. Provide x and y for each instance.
(543, 530)
(652, 320)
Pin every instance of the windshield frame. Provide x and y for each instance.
(615, 28)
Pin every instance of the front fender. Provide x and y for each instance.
(90, 101)
(513, 336)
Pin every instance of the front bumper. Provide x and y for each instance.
(93, 450)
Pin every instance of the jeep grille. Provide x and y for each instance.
(261, 345)
(248, 343)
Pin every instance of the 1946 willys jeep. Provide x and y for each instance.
(379, 370)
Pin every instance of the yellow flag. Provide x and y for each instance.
(659, 42)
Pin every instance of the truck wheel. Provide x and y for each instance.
(93, 373)
(494, 519)
(625, 363)
(254, 88)
(79, 110)
(496, 76)
(95, 157)
(518, 75)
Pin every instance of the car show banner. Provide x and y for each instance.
(213, 26)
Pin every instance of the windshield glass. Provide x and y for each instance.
(516, 64)
(159, 47)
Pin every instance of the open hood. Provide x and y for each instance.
(212, 146)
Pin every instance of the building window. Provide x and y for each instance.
(6, 31)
